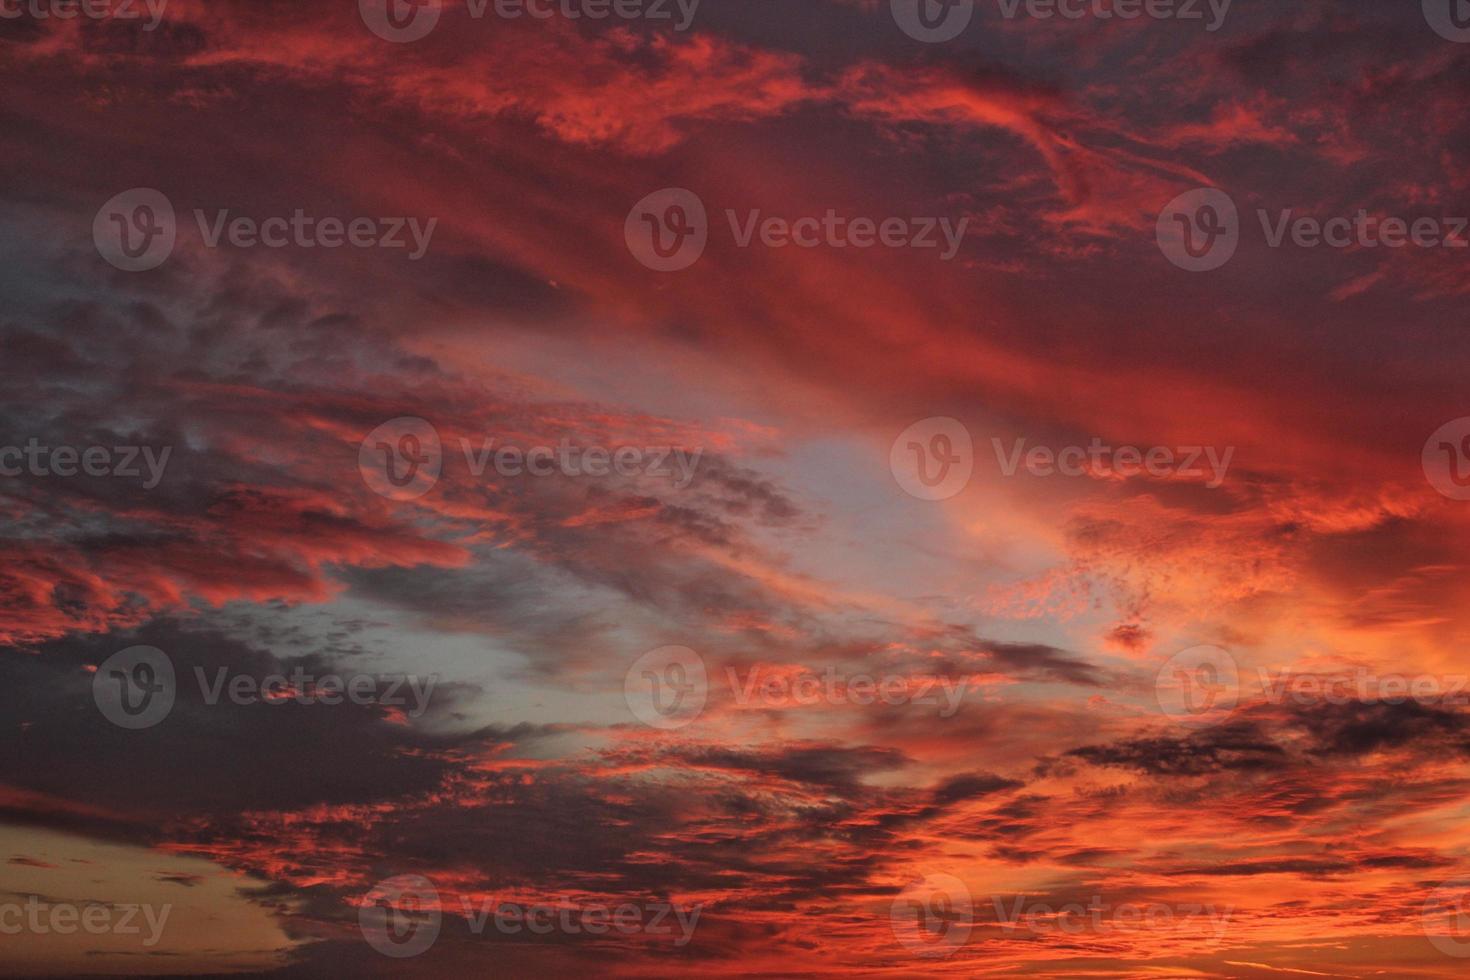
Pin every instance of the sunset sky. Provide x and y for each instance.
(932, 685)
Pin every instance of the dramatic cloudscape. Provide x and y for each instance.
(778, 488)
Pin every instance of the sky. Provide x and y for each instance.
(824, 487)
